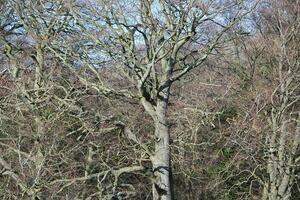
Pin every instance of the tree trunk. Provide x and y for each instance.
(161, 159)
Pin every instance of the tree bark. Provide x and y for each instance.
(161, 158)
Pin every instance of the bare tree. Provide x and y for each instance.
(153, 44)
(275, 56)
(47, 117)
(283, 140)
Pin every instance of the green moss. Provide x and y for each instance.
(228, 112)
(2, 134)
(215, 169)
(227, 196)
(265, 71)
(227, 152)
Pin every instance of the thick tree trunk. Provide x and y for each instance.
(161, 159)
(161, 165)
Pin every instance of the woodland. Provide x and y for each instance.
(150, 99)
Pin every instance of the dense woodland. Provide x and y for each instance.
(150, 99)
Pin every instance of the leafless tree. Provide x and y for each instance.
(154, 44)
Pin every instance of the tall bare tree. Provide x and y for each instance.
(275, 56)
(154, 44)
(282, 30)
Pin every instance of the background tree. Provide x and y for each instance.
(282, 31)
(49, 122)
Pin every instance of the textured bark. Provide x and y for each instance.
(161, 164)
(161, 158)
